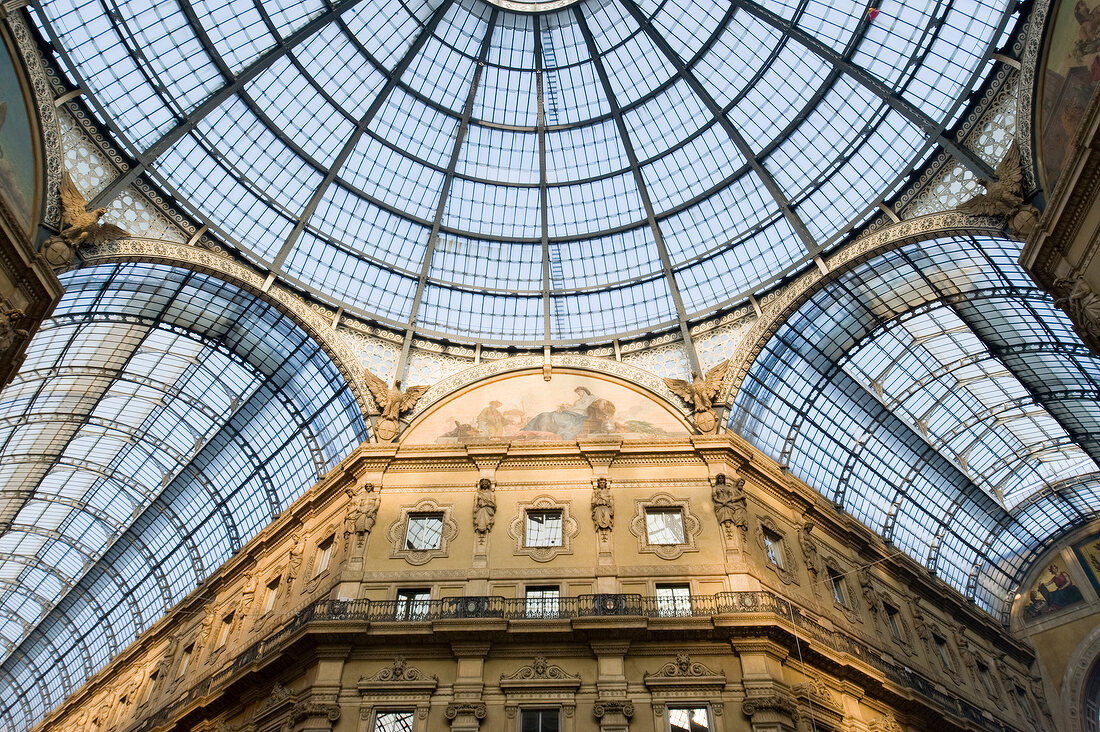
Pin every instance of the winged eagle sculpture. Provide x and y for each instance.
(79, 227)
(700, 394)
(392, 402)
(1003, 198)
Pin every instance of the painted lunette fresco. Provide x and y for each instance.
(525, 407)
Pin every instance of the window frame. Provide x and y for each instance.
(398, 532)
(678, 601)
(547, 513)
(517, 528)
(541, 607)
(539, 708)
(679, 705)
(416, 602)
(378, 712)
(658, 502)
(653, 512)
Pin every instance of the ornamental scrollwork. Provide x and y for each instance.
(602, 708)
(539, 669)
(475, 709)
(400, 671)
(774, 702)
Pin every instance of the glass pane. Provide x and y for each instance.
(664, 526)
(425, 531)
(542, 602)
(413, 604)
(544, 528)
(773, 545)
(394, 722)
(689, 719)
(539, 720)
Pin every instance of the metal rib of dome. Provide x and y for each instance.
(458, 168)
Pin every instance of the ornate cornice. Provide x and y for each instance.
(399, 676)
(540, 674)
(683, 672)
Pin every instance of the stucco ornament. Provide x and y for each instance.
(700, 393)
(1002, 197)
(79, 227)
(392, 403)
(1081, 303)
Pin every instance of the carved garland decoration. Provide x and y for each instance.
(399, 528)
(692, 525)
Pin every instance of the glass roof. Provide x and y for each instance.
(937, 395)
(586, 171)
(161, 419)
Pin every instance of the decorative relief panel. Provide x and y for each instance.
(374, 353)
(997, 129)
(955, 185)
(139, 218)
(428, 368)
(717, 345)
(90, 170)
(665, 361)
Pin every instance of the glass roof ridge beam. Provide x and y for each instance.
(735, 136)
(544, 192)
(282, 48)
(906, 109)
(444, 192)
(643, 192)
(392, 81)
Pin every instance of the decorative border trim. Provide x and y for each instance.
(398, 529)
(47, 116)
(1026, 92)
(517, 529)
(786, 572)
(692, 526)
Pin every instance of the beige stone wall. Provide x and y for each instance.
(752, 659)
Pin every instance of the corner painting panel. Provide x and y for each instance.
(1088, 553)
(525, 407)
(1069, 77)
(1053, 590)
(17, 142)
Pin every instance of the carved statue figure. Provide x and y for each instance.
(700, 394)
(730, 503)
(919, 623)
(603, 508)
(870, 594)
(1002, 198)
(964, 650)
(79, 227)
(165, 665)
(204, 629)
(362, 513)
(294, 562)
(248, 594)
(1081, 303)
(485, 507)
(9, 316)
(392, 402)
(1039, 694)
(809, 546)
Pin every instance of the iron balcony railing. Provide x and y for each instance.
(728, 604)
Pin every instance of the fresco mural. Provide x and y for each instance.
(16, 143)
(1071, 74)
(1053, 590)
(1088, 553)
(524, 407)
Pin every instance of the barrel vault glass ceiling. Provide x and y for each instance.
(522, 173)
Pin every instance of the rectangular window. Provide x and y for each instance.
(664, 525)
(836, 582)
(186, 660)
(270, 592)
(399, 721)
(150, 683)
(543, 528)
(688, 719)
(673, 600)
(223, 631)
(539, 720)
(541, 602)
(941, 649)
(987, 680)
(892, 620)
(425, 531)
(324, 553)
(773, 545)
(413, 604)
(1025, 703)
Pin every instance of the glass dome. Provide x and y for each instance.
(529, 172)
